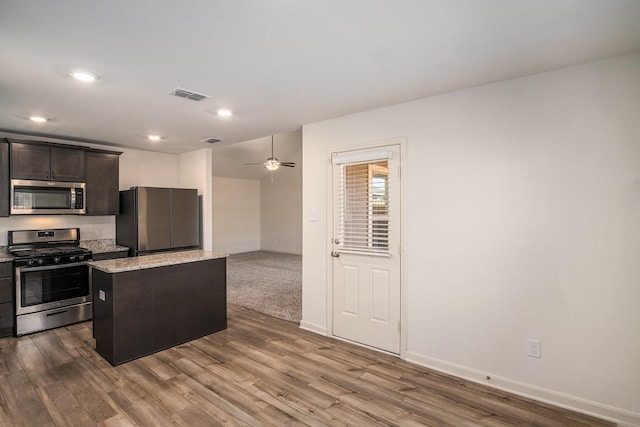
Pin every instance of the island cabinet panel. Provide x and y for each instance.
(144, 311)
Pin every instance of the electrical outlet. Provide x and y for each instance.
(102, 295)
(534, 349)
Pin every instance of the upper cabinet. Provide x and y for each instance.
(4, 178)
(45, 162)
(41, 161)
(102, 171)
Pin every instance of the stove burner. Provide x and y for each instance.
(34, 250)
(57, 250)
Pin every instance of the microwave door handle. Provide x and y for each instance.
(73, 198)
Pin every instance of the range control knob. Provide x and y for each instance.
(31, 262)
(80, 257)
(56, 259)
(72, 258)
(40, 261)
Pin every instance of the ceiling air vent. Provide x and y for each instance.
(210, 140)
(188, 94)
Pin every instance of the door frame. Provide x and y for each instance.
(401, 141)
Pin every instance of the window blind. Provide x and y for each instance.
(363, 213)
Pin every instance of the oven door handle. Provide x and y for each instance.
(26, 268)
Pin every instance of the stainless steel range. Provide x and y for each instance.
(52, 279)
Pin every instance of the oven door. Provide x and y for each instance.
(44, 288)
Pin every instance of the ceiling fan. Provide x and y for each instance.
(272, 163)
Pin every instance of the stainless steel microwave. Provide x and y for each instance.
(47, 197)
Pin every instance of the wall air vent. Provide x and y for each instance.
(210, 140)
(188, 94)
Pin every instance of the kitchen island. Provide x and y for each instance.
(149, 303)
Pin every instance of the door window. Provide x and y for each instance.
(363, 207)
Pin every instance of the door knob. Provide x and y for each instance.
(335, 254)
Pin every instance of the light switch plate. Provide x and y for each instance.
(534, 349)
(102, 295)
(313, 215)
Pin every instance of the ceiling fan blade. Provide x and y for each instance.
(250, 164)
(288, 164)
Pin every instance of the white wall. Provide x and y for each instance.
(195, 171)
(521, 220)
(281, 207)
(136, 168)
(145, 168)
(236, 215)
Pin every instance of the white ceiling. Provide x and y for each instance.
(277, 64)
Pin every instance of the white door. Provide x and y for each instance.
(366, 247)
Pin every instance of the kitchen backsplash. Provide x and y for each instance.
(91, 227)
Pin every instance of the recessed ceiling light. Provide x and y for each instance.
(38, 119)
(223, 112)
(153, 137)
(84, 76)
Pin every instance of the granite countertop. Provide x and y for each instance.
(120, 265)
(102, 246)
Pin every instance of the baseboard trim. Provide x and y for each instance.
(312, 327)
(610, 413)
(277, 251)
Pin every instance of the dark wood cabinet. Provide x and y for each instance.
(30, 161)
(139, 312)
(4, 179)
(7, 299)
(101, 256)
(67, 164)
(102, 173)
(43, 162)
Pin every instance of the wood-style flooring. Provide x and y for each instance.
(260, 371)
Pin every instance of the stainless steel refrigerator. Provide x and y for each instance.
(156, 219)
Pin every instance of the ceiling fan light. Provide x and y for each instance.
(272, 164)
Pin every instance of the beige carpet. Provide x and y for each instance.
(267, 282)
